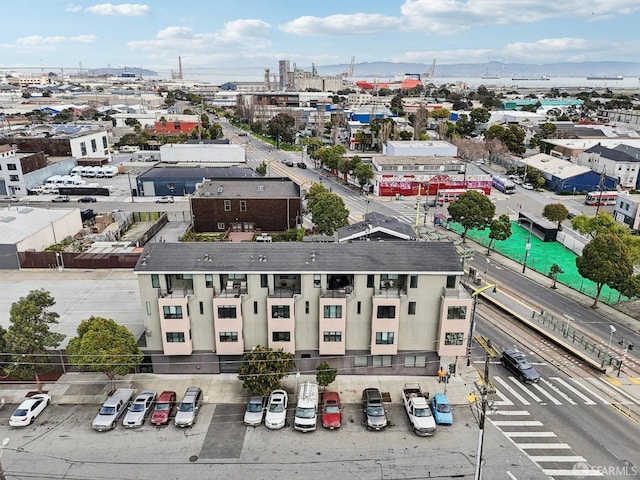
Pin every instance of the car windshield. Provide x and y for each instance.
(375, 411)
(186, 407)
(524, 365)
(444, 408)
(276, 407)
(331, 409)
(137, 407)
(422, 412)
(107, 410)
(254, 407)
(21, 412)
(162, 406)
(305, 412)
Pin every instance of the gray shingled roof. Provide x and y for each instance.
(261, 187)
(374, 221)
(612, 154)
(361, 257)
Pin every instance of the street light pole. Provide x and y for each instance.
(472, 324)
(527, 247)
(613, 330)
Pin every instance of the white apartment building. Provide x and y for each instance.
(627, 211)
(614, 162)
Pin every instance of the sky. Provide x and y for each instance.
(243, 37)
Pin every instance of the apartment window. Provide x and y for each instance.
(370, 281)
(281, 336)
(83, 148)
(451, 281)
(413, 281)
(228, 336)
(105, 144)
(386, 311)
(264, 280)
(316, 280)
(227, 311)
(360, 361)
(384, 338)
(381, 360)
(175, 337)
(453, 338)
(280, 311)
(201, 308)
(148, 305)
(412, 308)
(176, 125)
(94, 145)
(333, 311)
(359, 307)
(11, 166)
(172, 311)
(255, 308)
(415, 361)
(306, 307)
(155, 281)
(14, 178)
(456, 313)
(208, 280)
(243, 205)
(227, 205)
(332, 336)
(220, 225)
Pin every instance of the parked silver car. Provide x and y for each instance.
(254, 413)
(189, 407)
(139, 409)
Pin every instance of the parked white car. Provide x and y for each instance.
(527, 186)
(276, 415)
(29, 409)
(139, 409)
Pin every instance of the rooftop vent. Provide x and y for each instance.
(260, 188)
(220, 189)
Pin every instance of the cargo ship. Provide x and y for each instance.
(605, 77)
(530, 77)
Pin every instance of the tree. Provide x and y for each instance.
(480, 115)
(29, 335)
(215, 131)
(555, 212)
(282, 128)
(363, 172)
(262, 369)
(420, 122)
(499, 229)
(553, 273)
(262, 168)
(472, 210)
(328, 212)
(104, 346)
(312, 194)
(440, 114)
(605, 261)
(325, 374)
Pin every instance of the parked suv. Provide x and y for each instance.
(375, 414)
(518, 364)
(189, 407)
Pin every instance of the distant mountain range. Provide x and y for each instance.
(476, 70)
(119, 71)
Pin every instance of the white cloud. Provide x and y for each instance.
(244, 29)
(73, 8)
(354, 24)
(123, 9)
(39, 41)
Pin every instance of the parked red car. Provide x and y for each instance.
(164, 408)
(331, 410)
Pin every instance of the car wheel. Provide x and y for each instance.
(30, 420)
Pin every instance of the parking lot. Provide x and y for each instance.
(61, 442)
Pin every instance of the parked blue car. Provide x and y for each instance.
(441, 409)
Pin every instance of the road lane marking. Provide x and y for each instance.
(614, 381)
(504, 402)
(511, 413)
(558, 458)
(571, 473)
(621, 392)
(525, 389)
(555, 389)
(519, 397)
(634, 380)
(547, 394)
(529, 434)
(543, 446)
(517, 423)
(586, 399)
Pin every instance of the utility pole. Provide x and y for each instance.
(483, 414)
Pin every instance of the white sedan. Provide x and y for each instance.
(29, 409)
(276, 410)
(139, 409)
(527, 186)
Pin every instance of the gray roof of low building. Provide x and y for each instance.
(196, 172)
(612, 154)
(299, 257)
(262, 187)
(629, 150)
(374, 221)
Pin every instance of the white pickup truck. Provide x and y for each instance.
(416, 403)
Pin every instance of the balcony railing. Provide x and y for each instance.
(284, 292)
(457, 293)
(392, 292)
(180, 292)
(337, 293)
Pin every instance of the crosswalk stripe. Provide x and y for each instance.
(530, 434)
(517, 423)
(586, 399)
(525, 389)
(571, 473)
(512, 391)
(504, 400)
(589, 391)
(547, 394)
(543, 446)
(512, 413)
(558, 458)
(555, 389)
